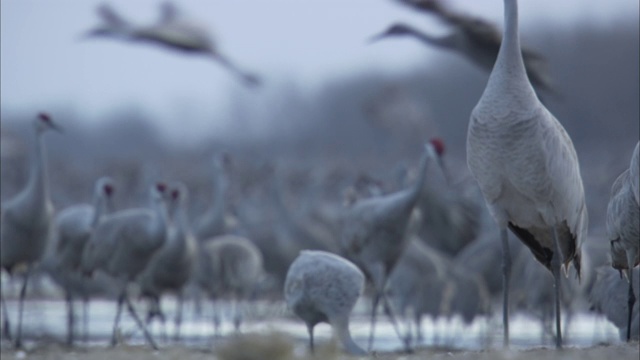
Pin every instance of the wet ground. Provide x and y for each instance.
(45, 331)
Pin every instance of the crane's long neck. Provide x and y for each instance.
(219, 194)
(416, 190)
(37, 186)
(440, 41)
(509, 74)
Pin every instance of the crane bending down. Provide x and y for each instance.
(474, 38)
(623, 228)
(122, 245)
(73, 229)
(173, 30)
(26, 221)
(171, 267)
(526, 167)
(324, 287)
(373, 235)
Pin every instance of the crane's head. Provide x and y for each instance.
(397, 29)
(438, 146)
(159, 192)
(177, 195)
(105, 187)
(44, 122)
(113, 25)
(436, 149)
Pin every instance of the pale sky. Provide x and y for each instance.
(304, 43)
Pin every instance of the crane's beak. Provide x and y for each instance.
(377, 37)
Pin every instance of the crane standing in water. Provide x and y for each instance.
(26, 221)
(526, 167)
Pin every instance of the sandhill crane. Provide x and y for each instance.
(73, 229)
(606, 297)
(373, 234)
(418, 284)
(173, 30)
(171, 266)
(623, 229)
(229, 265)
(122, 245)
(324, 287)
(526, 167)
(633, 172)
(213, 221)
(474, 38)
(27, 221)
(450, 213)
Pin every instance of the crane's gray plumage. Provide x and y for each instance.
(474, 38)
(633, 172)
(418, 284)
(526, 165)
(324, 287)
(373, 233)
(171, 267)
(73, 228)
(173, 30)
(623, 228)
(123, 243)
(607, 297)
(451, 214)
(26, 220)
(229, 266)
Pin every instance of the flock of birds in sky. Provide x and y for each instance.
(521, 157)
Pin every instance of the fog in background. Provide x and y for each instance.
(331, 105)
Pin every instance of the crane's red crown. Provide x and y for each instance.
(438, 145)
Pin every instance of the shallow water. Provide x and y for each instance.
(46, 319)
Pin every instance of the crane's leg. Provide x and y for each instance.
(178, 318)
(116, 321)
(70, 319)
(310, 331)
(374, 310)
(506, 276)
(85, 320)
(632, 297)
(555, 270)
(389, 311)
(139, 322)
(6, 328)
(23, 292)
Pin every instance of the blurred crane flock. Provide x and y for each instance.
(362, 185)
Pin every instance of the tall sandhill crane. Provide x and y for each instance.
(526, 167)
(229, 266)
(474, 38)
(633, 172)
(27, 221)
(324, 287)
(623, 229)
(606, 297)
(74, 226)
(373, 234)
(122, 245)
(173, 30)
(213, 222)
(171, 267)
